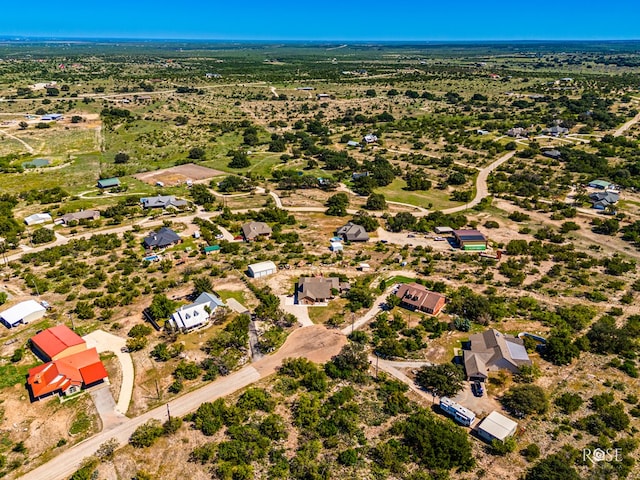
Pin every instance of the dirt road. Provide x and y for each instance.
(482, 190)
(315, 343)
(28, 147)
(627, 126)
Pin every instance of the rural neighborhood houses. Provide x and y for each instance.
(314, 290)
(491, 351)
(196, 314)
(262, 269)
(24, 312)
(163, 238)
(253, 230)
(414, 296)
(353, 233)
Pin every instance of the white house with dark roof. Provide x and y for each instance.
(196, 314)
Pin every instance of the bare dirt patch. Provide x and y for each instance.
(178, 175)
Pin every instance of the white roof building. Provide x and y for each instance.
(195, 314)
(38, 218)
(336, 247)
(496, 427)
(262, 269)
(23, 312)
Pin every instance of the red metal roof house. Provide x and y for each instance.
(67, 375)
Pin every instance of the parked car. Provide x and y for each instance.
(439, 239)
(477, 389)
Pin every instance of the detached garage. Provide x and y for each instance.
(262, 269)
(24, 312)
(496, 427)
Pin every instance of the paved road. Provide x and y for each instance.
(316, 343)
(106, 342)
(392, 369)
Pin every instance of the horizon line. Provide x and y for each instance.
(23, 38)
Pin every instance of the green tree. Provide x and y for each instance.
(146, 434)
(84, 311)
(560, 348)
(554, 467)
(121, 157)
(376, 201)
(239, 159)
(338, 204)
(197, 153)
(569, 402)
(161, 307)
(202, 285)
(42, 235)
(525, 399)
(443, 380)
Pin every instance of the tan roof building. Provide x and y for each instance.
(491, 351)
(83, 215)
(416, 297)
(253, 230)
(313, 290)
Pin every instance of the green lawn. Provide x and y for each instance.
(238, 295)
(399, 279)
(438, 199)
(11, 374)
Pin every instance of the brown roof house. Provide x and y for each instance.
(253, 230)
(491, 351)
(312, 290)
(415, 297)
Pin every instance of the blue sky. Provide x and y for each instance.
(326, 20)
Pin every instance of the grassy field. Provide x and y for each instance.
(436, 199)
(11, 374)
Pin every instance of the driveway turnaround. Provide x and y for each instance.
(106, 342)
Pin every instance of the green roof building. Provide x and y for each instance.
(212, 249)
(109, 183)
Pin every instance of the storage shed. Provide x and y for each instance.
(23, 312)
(496, 427)
(262, 269)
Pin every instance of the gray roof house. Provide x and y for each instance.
(492, 350)
(554, 154)
(601, 200)
(163, 238)
(253, 230)
(313, 290)
(555, 131)
(162, 201)
(353, 233)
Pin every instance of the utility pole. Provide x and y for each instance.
(377, 359)
(33, 280)
(169, 413)
(71, 320)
